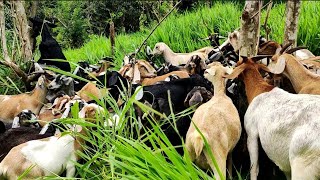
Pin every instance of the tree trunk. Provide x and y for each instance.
(112, 37)
(291, 26)
(23, 29)
(250, 28)
(3, 33)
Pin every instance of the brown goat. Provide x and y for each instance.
(12, 105)
(145, 74)
(303, 81)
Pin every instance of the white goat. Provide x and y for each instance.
(175, 58)
(48, 156)
(219, 122)
(287, 125)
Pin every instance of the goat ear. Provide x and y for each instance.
(136, 74)
(278, 68)
(67, 81)
(139, 94)
(203, 64)
(292, 50)
(259, 57)
(235, 73)
(123, 70)
(263, 67)
(16, 122)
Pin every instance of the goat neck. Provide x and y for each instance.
(168, 53)
(254, 83)
(45, 34)
(299, 76)
(219, 87)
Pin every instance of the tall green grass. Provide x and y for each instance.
(183, 31)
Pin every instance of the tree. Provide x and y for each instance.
(3, 33)
(250, 28)
(23, 30)
(291, 26)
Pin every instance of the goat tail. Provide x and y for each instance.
(198, 143)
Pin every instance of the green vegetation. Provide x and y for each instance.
(182, 32)
(115, 153)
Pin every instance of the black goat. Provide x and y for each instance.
(49, 47)
(157, 96)
(167, 68)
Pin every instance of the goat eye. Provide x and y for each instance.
(157, 47)
(144, 68)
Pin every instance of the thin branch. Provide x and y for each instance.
(260, 10)
(265, 25)
(157, 26)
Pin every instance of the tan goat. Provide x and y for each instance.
(12, 105)
(219, 122)
(178, 58)
(303, 81)
(145, 74)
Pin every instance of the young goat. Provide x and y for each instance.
(303, 81)
(12, 105)
(219, 122)
(287, 125)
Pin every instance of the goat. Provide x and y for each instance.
(25, 118)
(145, 74)
(176, 58)
(167, 68)
(197, 96)
(53, 111)
(12, 105)
(157, 96)
(289, 139)
(113, 83)
(58, 151)
(303, 81)
(21, 134)
(49, 47)
(219, 122)
(312, 64)
(60, 85)
(90, 72)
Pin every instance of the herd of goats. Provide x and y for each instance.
(273, 96)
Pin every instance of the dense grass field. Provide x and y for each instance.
(114, 153)
(182, 32)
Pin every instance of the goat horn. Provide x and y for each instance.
(292, 50)
(259, 57)
(285, 47)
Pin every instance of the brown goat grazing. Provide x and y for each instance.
(303, 81)
(12, 105)
(219, 122)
